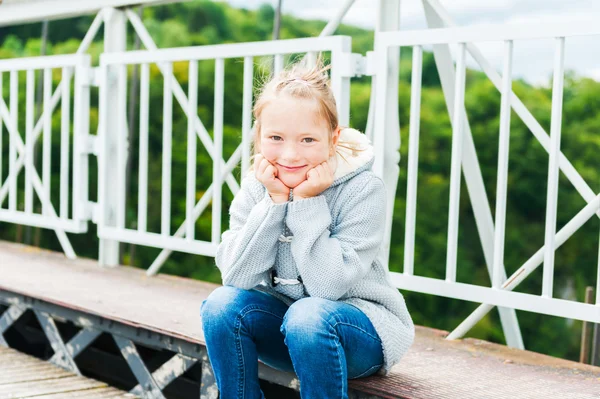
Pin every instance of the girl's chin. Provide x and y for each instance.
(291, 180)
(291, 183)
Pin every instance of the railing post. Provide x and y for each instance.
(386, 162)
(115, 35)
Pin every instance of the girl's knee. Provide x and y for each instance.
(224, 301)
(308, 316)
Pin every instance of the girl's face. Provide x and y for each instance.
(294, 137)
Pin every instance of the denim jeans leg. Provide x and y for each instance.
(239, 326)
(330, 342)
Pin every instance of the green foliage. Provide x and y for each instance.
(204, 22)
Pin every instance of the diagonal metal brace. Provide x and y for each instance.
(150, 388)
(62, 358)
(172, 369)
(79, 342)
(208, 384)
(11, 315)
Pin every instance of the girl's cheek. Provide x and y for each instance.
(269, 152)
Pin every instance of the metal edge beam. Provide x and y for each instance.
(138, 335)
(40, 10)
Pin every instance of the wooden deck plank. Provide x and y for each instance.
(23, 376)
(474, 369)
(96, 393)
(31, 374)
(433, 367)
(57, 385)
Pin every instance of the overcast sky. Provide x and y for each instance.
(532, 59)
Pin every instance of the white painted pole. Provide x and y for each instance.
(167, 151)
(1, 131)
(143, 157)
(330, 28)
(552, 199)
(247, 113)
(278, 64)
(91, 33)
(12, 149)
(455, 168)
(191, 150)
(81, 122)
(501, 186)
(333, 24)
(413, 159)
(598, 280)
(103, 154)
(388, 19)
(47, 143)
(29, 140)
(340, 84)
(218, 146)
(65, 128)
(122, 140)
(115, 39)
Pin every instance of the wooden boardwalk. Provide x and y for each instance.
(434, 368)
(24, 376)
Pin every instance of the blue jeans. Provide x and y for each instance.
(324, 342)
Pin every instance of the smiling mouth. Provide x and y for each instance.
(291, 169)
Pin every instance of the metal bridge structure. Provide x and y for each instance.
(108, 145)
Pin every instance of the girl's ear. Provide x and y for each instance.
(336, 135)
(334, 140)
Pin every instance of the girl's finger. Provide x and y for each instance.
(325, 167)
(262, 166)
(270, 171)
(319, 171)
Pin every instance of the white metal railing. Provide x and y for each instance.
(113, 68)
(71, 216)
(500, 293)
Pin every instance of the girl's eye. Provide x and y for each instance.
(276, 138)
(309, 140)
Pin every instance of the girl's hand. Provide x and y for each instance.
(266, 173)
(318, 179)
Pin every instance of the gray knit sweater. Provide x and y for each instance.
(331, 241)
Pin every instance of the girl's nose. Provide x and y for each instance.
(289, 152)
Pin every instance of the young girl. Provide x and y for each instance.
(304, 289)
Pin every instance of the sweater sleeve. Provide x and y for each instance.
(247, 250)
(330, 263)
